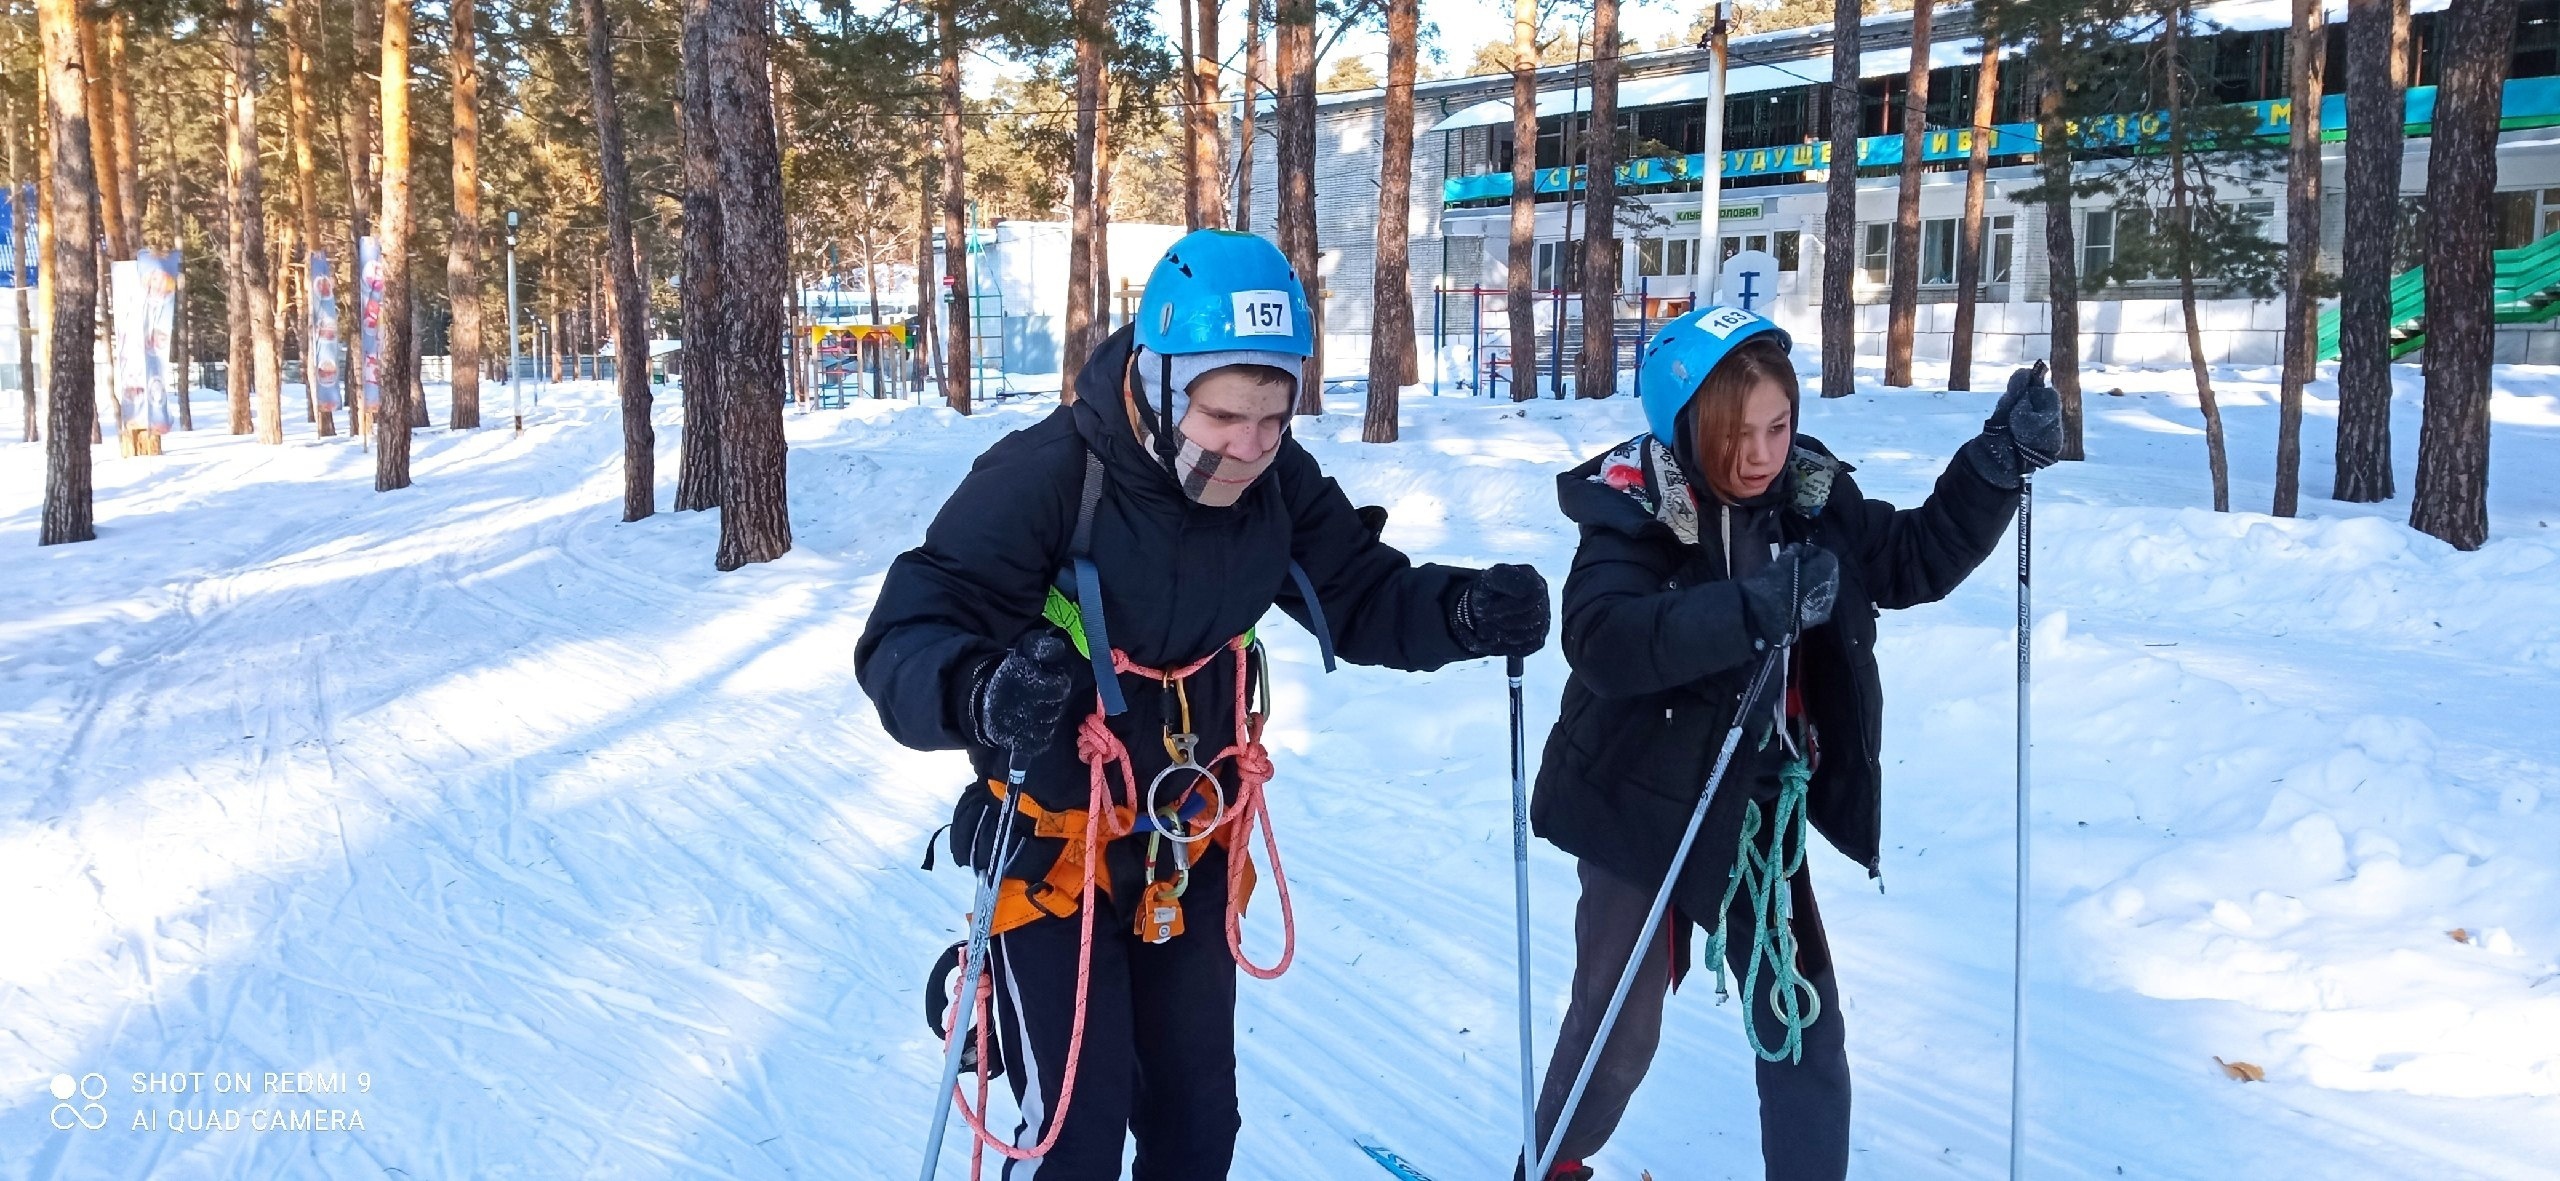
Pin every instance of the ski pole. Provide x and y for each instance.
(1520, 890)
(2018, 966)
(972, 964)
(1661, 903)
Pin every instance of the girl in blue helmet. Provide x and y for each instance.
(1720, 534)
(1082, 611)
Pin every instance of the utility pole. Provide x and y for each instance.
(1710, 182)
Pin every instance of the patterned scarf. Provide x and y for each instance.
(1643, 468)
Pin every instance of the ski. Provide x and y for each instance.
(1390, 1161)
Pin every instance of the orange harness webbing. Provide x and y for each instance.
(1100, 750)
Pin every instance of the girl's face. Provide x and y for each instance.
(1760, 446)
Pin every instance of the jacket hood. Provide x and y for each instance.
(1102, 416)
(1639, 485)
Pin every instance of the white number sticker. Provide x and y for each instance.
(1264, 313)
(1723, 321)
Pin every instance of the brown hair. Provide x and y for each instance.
(1715, 413)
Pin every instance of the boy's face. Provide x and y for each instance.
(1237, 414)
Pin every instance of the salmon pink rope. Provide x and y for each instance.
(1100, 750)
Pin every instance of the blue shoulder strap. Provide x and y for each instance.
(1086, 581)
(1315, 612)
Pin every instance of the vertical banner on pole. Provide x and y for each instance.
(159, 273)
(328, 382)
(369, 290)
(124, 308)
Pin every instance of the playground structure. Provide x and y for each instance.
(1471, 338)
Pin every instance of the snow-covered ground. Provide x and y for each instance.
(586, 860)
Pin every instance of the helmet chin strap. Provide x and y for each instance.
(1168, 442)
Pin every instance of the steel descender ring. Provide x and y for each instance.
(1169, 822)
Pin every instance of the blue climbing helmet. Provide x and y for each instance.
(1679, 357)
(1220, 290)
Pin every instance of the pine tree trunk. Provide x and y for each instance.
(2377, 56)
(2182, 189)
(698, 470)
(2062, 254)
(1205, 122)
(235, 298)
(361, 136)
(1903, 306)
(95, 72)
(181, 340)
(921, 350)
(298, 33)
(1186, 85)
(755, 509)
(630, 316)
(1294, 25)
(462, 254)
(1839, 216)
(250, 210)
(1106, 158)
(1391, 335)
(2302, 247)
(959, 368)
(2452, 497)
(1080, 336)
(127, 143)
(391, 425)
(71, 274)
(1519, 297)
(20, 254)
(1969, 253)
(1597, 375)
(1244, 129)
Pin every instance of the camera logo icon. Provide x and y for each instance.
(90, 1114)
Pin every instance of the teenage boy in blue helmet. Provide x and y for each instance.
(1711, 539)
(1082, 611)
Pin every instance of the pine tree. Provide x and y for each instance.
(1903, 301)
(1969, 251)
(755, 511)
(1519, 299)
(2452, 499)
(1839, 213)
(2377, 63)
(2305, 51)
(1391, 338)
(1080, 333)
(71, 276)
(462, 252)
(1598, 371)
(1294, 23)
(630, 312)
(698, 478)
(391, 424)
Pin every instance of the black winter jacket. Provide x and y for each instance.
(1660, 650)
(1178, 581)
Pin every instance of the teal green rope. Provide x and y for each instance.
(1792, 999)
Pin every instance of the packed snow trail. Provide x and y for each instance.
(595, 862)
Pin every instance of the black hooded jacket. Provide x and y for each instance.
(1660, 647)
(1179, 580)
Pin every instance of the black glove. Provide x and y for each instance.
(2024, 432)
(1503, 612)
(1022, 696)
(1793, 592)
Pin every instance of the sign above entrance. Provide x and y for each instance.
(1750, 212)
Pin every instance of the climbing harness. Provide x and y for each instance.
(1792, 999)
(1182, 806)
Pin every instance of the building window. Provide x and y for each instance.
(1558, 264)
(1790, 249)
(1878, 255)
(2004, 237)
(1666, 256)
(2097, 241)
(1938, 251)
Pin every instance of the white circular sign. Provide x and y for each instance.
(1750, 282)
